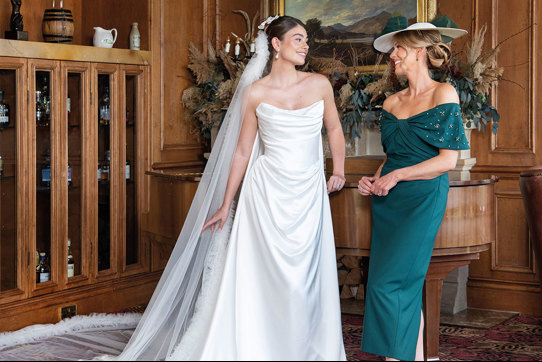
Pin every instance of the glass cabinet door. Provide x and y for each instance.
(12, 252)
(107, 170)
(133, 101)
(76, 241)
(44, 118)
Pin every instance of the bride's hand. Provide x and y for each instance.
(335, 183)
(219, 218)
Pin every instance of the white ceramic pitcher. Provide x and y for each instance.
(104, 38)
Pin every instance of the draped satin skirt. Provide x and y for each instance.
(278, 296)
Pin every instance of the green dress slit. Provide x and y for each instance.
(405, 224)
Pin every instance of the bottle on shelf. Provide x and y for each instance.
(46, 102)
(135, 38)
(1, 166)
(46, 170)
(105, 107)
(69, 175)
(4, 111)
(44, 271)
(128, 176)
(37, 262)
(69, 109)
(99, 172)
(105, 166)
(71, 262)
(40, 110)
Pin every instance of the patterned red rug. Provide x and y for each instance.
(518, 339)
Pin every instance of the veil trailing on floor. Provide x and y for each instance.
(176, 313)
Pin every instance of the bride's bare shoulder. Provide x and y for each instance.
(315, 78)
(257, 91)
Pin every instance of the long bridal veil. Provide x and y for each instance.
(176, 312)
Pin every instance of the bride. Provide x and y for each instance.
(258, 280)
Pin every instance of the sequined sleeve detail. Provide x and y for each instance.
(442, 127)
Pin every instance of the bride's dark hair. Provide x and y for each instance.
(277, 29)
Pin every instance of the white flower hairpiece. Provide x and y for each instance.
(268, 21)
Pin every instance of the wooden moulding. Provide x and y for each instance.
(111, 296)
(77, 53)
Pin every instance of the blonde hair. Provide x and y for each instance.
(438, 52)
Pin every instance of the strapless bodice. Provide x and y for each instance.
(291, 139)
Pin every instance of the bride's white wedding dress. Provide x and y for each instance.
(278, 296)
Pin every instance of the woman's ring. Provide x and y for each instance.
(380, 194)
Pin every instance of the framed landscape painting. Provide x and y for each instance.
(345, 29)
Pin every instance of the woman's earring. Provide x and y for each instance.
(277, 55)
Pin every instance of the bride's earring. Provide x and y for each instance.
(277, 55)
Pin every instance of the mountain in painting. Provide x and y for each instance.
(367, 26)
(372, 25)
(339, 26)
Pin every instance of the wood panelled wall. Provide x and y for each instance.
(505, 278)
(174, 25)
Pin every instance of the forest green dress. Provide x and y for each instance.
(405, 224)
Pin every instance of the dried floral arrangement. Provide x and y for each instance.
(359, 97)
(216, 76)
(473, 76)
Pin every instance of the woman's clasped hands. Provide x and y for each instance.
(379, 186)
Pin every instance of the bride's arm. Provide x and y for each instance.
(335, 136)
(238, 167)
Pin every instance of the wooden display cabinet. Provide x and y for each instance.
(13, 276)
(74, 154)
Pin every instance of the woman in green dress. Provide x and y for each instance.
(422, 132)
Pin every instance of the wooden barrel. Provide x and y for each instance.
(57, 26)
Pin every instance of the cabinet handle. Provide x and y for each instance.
(28, 260)
(27, 96)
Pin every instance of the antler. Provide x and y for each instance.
(251, 25)
(247, 19)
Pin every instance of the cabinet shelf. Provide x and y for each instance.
(48, 189)
(6, 127)
(78, 53)
(7, 177)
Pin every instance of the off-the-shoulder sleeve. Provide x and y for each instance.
(442, 127)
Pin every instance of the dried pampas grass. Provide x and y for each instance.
(481, 67)
(199, 65)
(384, 85)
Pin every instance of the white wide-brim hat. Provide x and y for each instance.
(385, 42)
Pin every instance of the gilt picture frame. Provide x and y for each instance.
(344, 30)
